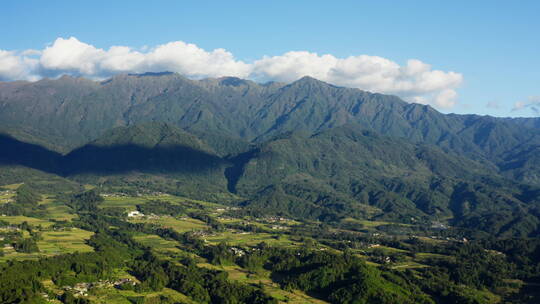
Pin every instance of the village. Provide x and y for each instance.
(82, 289)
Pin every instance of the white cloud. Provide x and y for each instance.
(416, 81)
(14, 66)
(446, 98)
(71, 55)
(292, 66)
(191, 60)
(532, 103)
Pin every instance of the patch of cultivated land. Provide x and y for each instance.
(239, 238)
(16, 220)
(115, 296)
(12, 186)
(57, 210)
(159, 245)
(129, 202)
(68, 241)
(263, 277)
(178, 224)
(112, 295)
(54, 243)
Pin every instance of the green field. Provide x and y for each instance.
(158, 244)
(116, 296)
(111, 295)
(6, 197)
(16, 220)
(178, 224)
(60, 242)
(129, 202)
(249, 239)
(57, 210)
(54, 243)
(11, 187)
(236, 273)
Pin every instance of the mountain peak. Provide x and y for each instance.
(233, 81)
(308, 81)
(152, 74)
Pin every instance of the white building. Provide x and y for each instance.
(135, 214)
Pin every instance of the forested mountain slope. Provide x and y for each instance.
(68, 112)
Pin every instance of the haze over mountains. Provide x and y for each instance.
(306, 148)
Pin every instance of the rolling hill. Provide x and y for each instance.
(307, 149)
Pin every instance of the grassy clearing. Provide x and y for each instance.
(179, 199)
(11, 187)
(12, 255)
(115, 296)
(111, 295)
(179, 225)
(158, 244)
(373, 224)
(16, 220)
(60, 242)
(239, 274)
(6, 197)
(7, 193)
(408, 265)
(129, 202)
(421, 256)
(57, 210)
(250, 239)
(386, 249)
(53, 243)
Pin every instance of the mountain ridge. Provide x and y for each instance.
(69, 112)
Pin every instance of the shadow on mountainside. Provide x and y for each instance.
(15, 152)
(109, 160)
(126, 158)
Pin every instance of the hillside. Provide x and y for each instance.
(68, 112)
(156, 188)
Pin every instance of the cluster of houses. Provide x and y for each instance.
(438, 225)
(138, 214)
(7, 192)
(9, 228)
(81, 289)
(6, 200)
(202, 233)
(238, 252)
(274, 219)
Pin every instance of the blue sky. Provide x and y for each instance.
(494, 46)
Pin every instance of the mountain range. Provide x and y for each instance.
(307, 149)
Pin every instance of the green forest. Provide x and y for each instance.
(155, 188)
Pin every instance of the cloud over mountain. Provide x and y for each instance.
(416, 81)
(532, 103)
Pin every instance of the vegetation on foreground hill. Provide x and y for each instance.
(328, 176)
(227, 258)
(160, 189)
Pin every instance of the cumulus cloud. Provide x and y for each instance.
(416, 81)
(532, 103)
(76, 57)
(17, 66)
